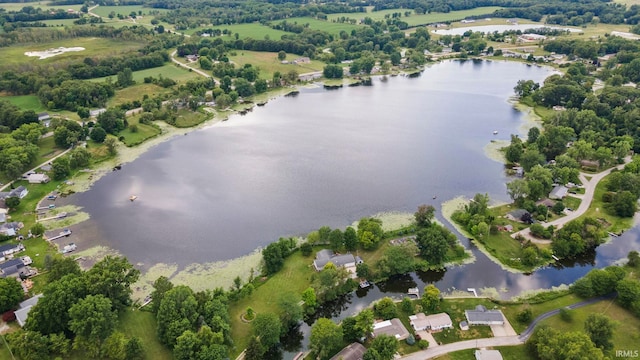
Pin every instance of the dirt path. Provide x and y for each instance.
(198, 71)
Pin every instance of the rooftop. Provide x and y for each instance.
(351, 352)
(391, 327)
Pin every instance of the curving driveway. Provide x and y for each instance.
(436, 351)
(589, 191)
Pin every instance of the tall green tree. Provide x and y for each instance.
(385, 345)
(325, 339)
(92, 320)
(430, 298)
(267, 328)
(113, 277)
(160, 288)
(424, 215)
(600, 329)
(11, 294)
(178, 312)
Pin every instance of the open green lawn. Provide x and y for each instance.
(626, 334)
(511, 310)
(25, 102)
(93, 47)
(268, 63)
(143, 325)
(414, 19)
(136, 92)
(597, 210)
(188, 118)
(59, 22)
(254, 30)
(294, 278)
(46, 150)
(323, 25)
(143, 133)
(168, 71)
(125, 10)
(508, 353)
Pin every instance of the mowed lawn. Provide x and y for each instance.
(59, 22)
(268, 63)
(142, 324)
(255, 31)
(93, 47)
(414, 19)
(626, 334)
(144, 131)
(293, 278)
(323, 25)
(170, 71)
(26, 102)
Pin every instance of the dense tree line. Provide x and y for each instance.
(19, 149)
(72, 94)
(80, 308)
(30, 13)
(92, 68)
(11, 117)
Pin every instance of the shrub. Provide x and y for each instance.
(566, 315)
(306, 249)
(423, 344)
(9, 316)
(524, 316)
(410, 340)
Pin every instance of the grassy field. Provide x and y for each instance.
(26, 102)
(255, 31)
(268, 63)
(294, 278)
(125, 10)
(328, 26)
(59, 22)
(143, 325)
(37, 4)
(511, 311)
(168, 71)
(14, 55)
(597, 210)
(626, 334)
(455, 308)
(136, 92)
(415, 20)
(188, 118)
(508, 353)
(46, 150)
(143, 133)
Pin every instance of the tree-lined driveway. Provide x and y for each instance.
(589, 190)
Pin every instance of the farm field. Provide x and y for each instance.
(268, 63)
(59, 22)
(328, 26)
(415, 20)
(168, 71)
(125, 10)
(39, 4)
(14, 55)
(254, 31)
(25, 102)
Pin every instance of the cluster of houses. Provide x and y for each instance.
(298, 61)
(13, 266)
(431, 323)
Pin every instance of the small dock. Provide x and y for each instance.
(364, 284)
(58, 216)
(473, 290)
(555, 258)
(414, 292)
(62, 234)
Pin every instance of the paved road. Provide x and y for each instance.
(589, 191)
(35, 168)
(436, 351)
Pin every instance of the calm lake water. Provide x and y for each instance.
(501, 28)
(328, 158)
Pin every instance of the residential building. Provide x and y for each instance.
(38, 178)
(484, 354)
(391, 327)
(44, 116)
(19, 192)
(351, 352)
(96, 112)
(482, 316)
(9, 249)
(518, 214)
(433, 322)
(558, 192)
(11, 267)
(325, 256)
(11, 229)
(24, 307)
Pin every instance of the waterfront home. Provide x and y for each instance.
(325, 256)
(558, 192)
(8, 249)
(19, 192)
(519, 215)
(481, 316)
(391, 327)
(351, 352)
(11, 267)
(24, 307)
(11, 229)
(38, 178)
(433, 322)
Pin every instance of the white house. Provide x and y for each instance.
(391, 327)
(558, 192)
(38, 178)
(431, 322)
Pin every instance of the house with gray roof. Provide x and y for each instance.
(433, 322)
(8, 249)
(11, 267)
(351, 352)
(23, 309)
(481, 316)
(3, 216)
(516, 215)
(391, 327)
(325, 256)
(11, 228)
(558, 192)
(19, 192)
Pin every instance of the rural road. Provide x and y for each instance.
(173, 54)
(439, 350)
(589, 191)
(34, 169)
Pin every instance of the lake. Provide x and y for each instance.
(328, 158)
(487, 29)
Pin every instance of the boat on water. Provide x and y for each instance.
(495, 132)
(133, 197)
(364, 284)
